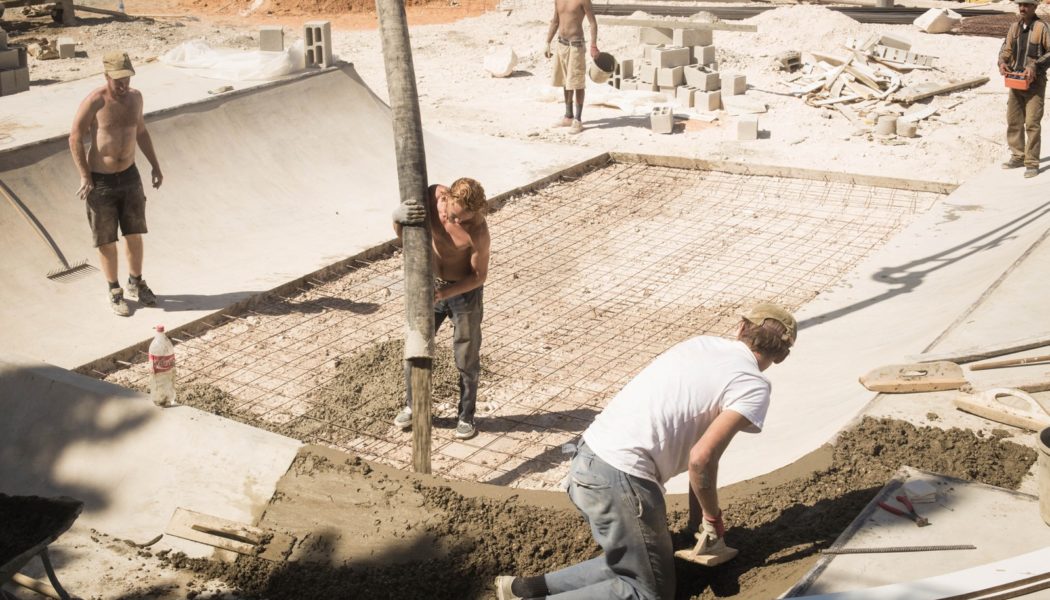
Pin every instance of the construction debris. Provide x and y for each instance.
(868, 75)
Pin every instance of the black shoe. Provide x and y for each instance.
(140, 292)
(1031, 172)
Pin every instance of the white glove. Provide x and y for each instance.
(410, 214)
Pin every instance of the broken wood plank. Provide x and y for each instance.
(836, 100)
(677, 24)
(917, 115)
(914, 93)
(102, 11)
(230, 535)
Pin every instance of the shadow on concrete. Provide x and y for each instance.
(47, 414)
(184, 302)
(320, 305)
(799, 531)
(640, 121)
(906, 278)
(572, 421)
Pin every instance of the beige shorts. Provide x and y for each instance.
(570, 66)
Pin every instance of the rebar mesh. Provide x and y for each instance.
(589, 280)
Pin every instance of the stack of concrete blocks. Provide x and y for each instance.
(318, 37)
(681, 63)
(271, 38)
(14, 68)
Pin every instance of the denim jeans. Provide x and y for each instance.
(465, 311)
(628, 519)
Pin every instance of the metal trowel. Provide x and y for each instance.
(710, 550)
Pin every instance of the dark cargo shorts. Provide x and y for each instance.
(118, 198)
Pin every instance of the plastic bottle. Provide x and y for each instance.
(162, 369)
(120, 5)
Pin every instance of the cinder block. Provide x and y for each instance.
(3, 37)
(7, 82)
(668, 89)
(318, 37)
(707, 100)
(672, 77)
(661, 120)
(648, 87)
(747, 128)
(691, 37)
(733, 84)
(629, 84)
(626, 67)
(647, 51)
(668, 57)
(67, 48)
(21, 79)
(271, 38)
(702, 79)
(685, 96)
(702, 55)
(9, 59)
(647, 74)
(655, 35)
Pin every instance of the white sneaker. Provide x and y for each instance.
(576, 127)
(563, 122)
(403, 420)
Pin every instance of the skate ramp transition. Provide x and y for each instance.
(260, 188)
(130, 462)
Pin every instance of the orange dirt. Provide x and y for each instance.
(344, 14)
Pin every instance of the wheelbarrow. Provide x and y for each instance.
(34, 522)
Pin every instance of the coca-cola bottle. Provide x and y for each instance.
(162, 369)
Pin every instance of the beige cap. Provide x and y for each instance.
(118, 65)
(765, 310)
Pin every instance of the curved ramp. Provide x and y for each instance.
(261, 187)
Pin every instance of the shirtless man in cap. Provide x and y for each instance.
(570, 62)
(111, 119)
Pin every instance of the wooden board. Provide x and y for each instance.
(979, 353)
(677, 24)
(230, 535)
(914, 93)
(990, 404)
(915, 377)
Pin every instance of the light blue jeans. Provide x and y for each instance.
(628, 519)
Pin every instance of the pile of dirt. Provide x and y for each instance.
(779, 530)
(987, 26)
(27, 521)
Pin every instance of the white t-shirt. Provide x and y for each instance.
(648, 429)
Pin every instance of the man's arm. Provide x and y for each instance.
(146, 144)
(81, 125)
(412, 212)
(479, 266)
(1006, 51)
(588, 11)
(703, 466)
(551, 32)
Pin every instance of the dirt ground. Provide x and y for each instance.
(424, 538)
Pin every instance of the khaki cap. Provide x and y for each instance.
(765, 310)
(1026, 1)
(118, 65)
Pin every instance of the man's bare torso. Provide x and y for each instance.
(453, 244)
(113, 131)
(570, 18)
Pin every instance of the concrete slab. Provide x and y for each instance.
(1001, 523)
(131, 462)
(260, 188)
(896, 303)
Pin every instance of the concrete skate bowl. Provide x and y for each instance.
(261, 188)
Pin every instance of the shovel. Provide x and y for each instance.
(67, 272)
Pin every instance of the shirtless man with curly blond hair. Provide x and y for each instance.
(461, 263)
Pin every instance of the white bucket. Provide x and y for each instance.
(1043, 473)
(602, 68)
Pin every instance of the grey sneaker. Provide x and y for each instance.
(141, 293)
(465, 431)
(1031, 172)
(116, 302)
(1013, 163)
(403, 420)
(503, 590)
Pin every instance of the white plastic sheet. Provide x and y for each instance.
(235, 65)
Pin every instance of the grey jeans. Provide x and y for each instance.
(465, 311)
(628, 519)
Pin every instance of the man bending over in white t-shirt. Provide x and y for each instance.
(679, 413)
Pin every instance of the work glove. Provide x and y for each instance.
(410, 213)
(714, 527)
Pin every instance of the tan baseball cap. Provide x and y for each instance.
(118, 65)
(765, 310)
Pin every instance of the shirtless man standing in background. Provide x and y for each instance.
(111, 119)
(570, 62)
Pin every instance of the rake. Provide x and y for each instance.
(67, 272)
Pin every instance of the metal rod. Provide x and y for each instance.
(884, 549)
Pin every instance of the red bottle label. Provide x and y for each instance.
(161, 364)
